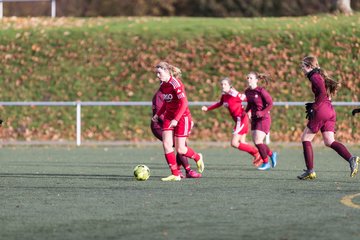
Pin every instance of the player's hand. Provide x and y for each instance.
(260, 114)
(155, 118)
(204, 108)
(173, 123)
(355, 111)
(309, 111)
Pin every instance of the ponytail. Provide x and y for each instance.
(262, 77)
(331, 85)
(174, 71)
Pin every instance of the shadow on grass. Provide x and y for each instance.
(79, 176)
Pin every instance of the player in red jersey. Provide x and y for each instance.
(322, 116)
(156, 128)
(260, 103)
(232, 100)
(177, 120)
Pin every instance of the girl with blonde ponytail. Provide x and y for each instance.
(177, 120)
(157, 127)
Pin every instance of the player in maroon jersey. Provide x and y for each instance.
(355, 111)
(260, 103)
(156, 128)
(177, 120)
(322, 116)
(232, 100)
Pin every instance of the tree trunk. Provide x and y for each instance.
(343, 6)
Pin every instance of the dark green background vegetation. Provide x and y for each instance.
(112, 59)
(204, 8)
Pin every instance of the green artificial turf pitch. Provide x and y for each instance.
(90, 193)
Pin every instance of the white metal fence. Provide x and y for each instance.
(79, 104)
(52, 2)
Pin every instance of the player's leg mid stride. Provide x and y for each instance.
(354, 165)
(200, 164)
(171, 178)
(257, 160)
(307, 175)
(175, 176)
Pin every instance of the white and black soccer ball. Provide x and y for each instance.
(141, 172)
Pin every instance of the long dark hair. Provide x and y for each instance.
(331, 85)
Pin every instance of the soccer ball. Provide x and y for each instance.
(141, 172)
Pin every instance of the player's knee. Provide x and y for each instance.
(181, 150)
(234, 144)
(328, 143)
(167, 145)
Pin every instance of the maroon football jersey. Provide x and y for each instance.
(319, 90)
(258, 100)
(157, 101)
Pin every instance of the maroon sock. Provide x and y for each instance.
(308, 155)
(268, 151)
(182, 160)
(341, 150)
(247, 148)
(263, 152)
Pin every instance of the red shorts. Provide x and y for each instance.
(183, 127)
(324, 119)
(261, 124)
(241, 125)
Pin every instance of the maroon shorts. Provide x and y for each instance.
(324, 119)
(156, 129)
(261, 124)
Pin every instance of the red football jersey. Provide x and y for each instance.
(232, 101)
(175, 101)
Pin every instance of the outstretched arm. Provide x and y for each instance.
(209, 108)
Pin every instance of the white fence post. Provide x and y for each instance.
(52, 2)
(267, 138)
(1, 9)
(53, 8)
(78, 123)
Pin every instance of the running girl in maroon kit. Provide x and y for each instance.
(260, 103)
(177, 121)
(322, 116)
(157, 127)
(232, 100)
